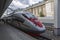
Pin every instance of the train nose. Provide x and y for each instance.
(41, 29)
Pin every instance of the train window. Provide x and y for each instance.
(29, 15)
(24, 15)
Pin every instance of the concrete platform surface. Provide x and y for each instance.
(10, 33)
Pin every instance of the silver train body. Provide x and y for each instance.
(26, 21)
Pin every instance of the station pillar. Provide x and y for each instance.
(57, 17)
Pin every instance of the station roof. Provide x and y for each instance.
(3, 5)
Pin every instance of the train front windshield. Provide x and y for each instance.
(29, 15)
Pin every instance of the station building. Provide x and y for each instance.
(42, 9)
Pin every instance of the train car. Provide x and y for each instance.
(26, 22)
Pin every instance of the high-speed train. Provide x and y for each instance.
(26, 22)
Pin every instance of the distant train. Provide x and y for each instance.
(27, 22)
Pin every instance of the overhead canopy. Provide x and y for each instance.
(3, 5)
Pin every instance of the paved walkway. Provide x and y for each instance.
(10, 33)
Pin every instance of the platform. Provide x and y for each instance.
(10, 33)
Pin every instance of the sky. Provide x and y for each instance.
(22, 3)
(34, 1)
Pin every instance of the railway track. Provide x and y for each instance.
(43, 38)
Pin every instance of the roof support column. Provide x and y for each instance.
(57, 17)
